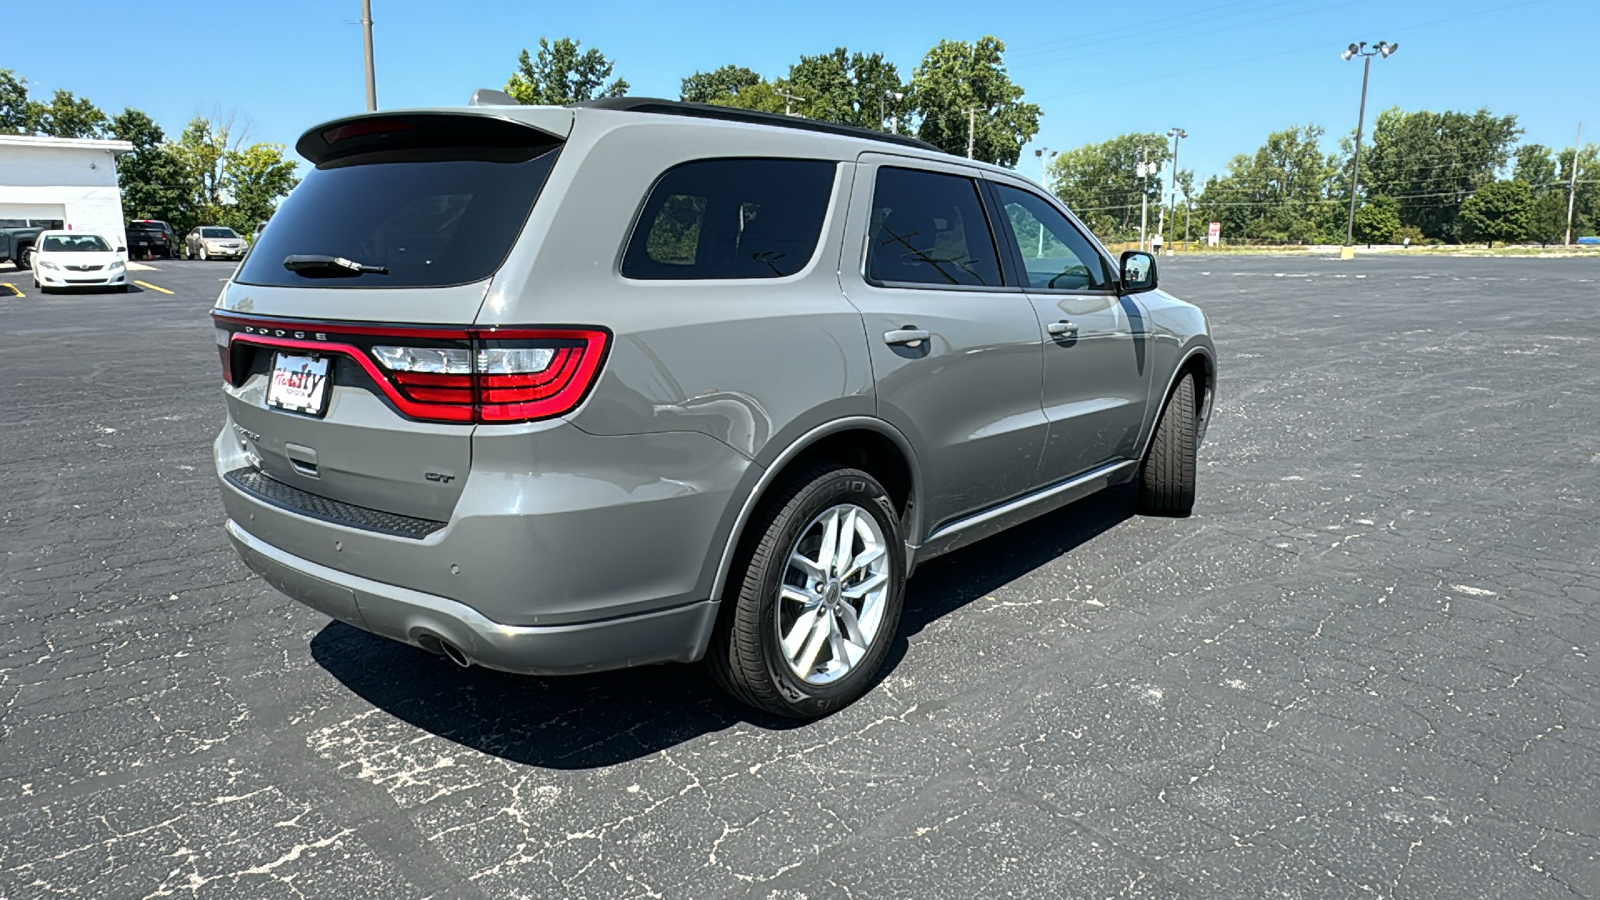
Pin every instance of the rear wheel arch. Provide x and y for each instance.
(860, 442)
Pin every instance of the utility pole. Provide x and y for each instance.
(972, 128)
(1188, 211)
(1045, 154)
(366, 39)
(1383, 49)
(788, 101)
(1144, 194)
(1572, 186)
(1177, 134)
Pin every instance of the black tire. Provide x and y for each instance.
(1167, 476)
(25, 258)
(746, 655)
(203, 255)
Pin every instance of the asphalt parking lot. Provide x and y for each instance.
(1368, 666)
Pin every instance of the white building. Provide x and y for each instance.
(65, 180)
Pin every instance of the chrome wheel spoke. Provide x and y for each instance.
(844, 548)
(820, 632)
(836, 643)
(809, 566)
(805, 598)
(873, 582)
(830, 542)
(795, 639)
(852, 625)
(865, 558)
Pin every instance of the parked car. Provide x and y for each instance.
(151, 237)
(214, 242)
(77, 259)
(562, 389)
(17, 237)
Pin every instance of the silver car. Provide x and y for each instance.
(214, 242)
(563, 389)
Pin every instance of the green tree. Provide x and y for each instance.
(1431, 162)
(1535, 167)
(1549, 218)
(68, 116)
(255, 179)
(16, 114)
(200, 151)
(1100, 182)
(1499, 211)
(560, 75)
(1280, 193)
(718, 84)
(762, 96)
(848, 88)
(154, 183)
(958, 85)
(1377, 220)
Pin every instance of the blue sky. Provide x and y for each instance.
(1227, 71)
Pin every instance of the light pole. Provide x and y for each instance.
(1572, 186)
(897, 96)
(1145, 169)
(1385, 50)
(366, 39)
(1177, 134)
(1045, 154)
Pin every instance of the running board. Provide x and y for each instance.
(982, 524)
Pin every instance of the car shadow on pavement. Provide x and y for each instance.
(590, 721)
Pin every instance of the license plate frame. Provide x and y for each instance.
(300, 383)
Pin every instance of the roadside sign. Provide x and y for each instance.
(1214, 234)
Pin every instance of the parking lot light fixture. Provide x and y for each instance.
(1385, 50)
(1177, 134)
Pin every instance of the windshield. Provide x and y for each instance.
(74, 243)
(218, 233)
(430, 224)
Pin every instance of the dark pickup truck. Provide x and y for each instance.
(149, 237)
(16, 241)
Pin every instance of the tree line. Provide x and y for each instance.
(1445, 177)
(208, 175)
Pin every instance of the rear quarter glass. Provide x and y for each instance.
(447, 220)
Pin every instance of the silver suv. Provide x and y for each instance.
(562, 389)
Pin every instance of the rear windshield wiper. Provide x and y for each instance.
(316, 265)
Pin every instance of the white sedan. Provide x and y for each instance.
(69, 259)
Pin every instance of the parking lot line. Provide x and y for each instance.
(145, 284)
(12, 288)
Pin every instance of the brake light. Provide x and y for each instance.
(483, 375)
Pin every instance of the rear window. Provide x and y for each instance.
(731, 218)
(447, 219)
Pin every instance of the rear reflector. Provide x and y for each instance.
(483, 375)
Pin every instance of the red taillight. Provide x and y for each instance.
(485, 375)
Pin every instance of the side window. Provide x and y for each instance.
(1055, 254)
(731, 218)
(929, 228)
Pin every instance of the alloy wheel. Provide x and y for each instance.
(833, 594)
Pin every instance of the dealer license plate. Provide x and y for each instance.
(299, 383)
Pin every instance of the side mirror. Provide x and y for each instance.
(1138, 272)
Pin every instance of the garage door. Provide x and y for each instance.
(13, 215)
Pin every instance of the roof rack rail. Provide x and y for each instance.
(747, 116)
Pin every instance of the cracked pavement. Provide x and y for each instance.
(1367, 666)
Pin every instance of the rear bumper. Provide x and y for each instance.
(413, 617)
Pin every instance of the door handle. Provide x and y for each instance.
(908, 336)
(1062, 328)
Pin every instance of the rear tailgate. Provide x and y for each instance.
(349, 385)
